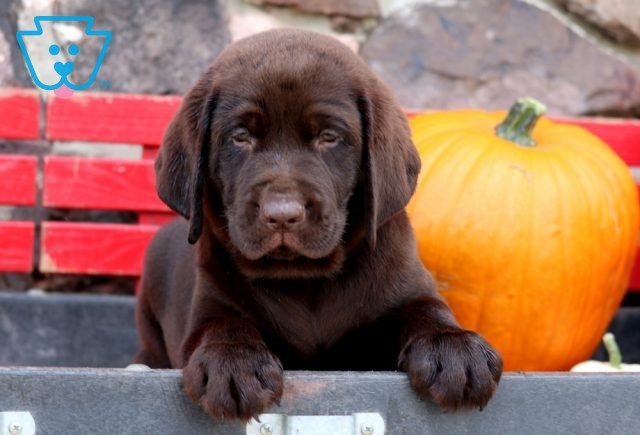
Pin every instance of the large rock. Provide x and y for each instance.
(487, 53)
(12, 71)
(619, 19)
(158, 47)
(349, 8)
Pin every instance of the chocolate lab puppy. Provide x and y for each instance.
(292, 164)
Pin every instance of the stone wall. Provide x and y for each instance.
(579, 56)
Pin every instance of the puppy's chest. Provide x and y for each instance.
(311, 320)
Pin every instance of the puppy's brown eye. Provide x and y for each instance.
(327, 139)
(242, 138)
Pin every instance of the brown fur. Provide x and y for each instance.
(302, 254)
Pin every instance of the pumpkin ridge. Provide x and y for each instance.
(456, 151)
(622, 270)
(448, 151)
(619, 188)
(483, 156)
(551, 332)
(428, 167)
(586, 174)
(443, 148)
(524, 248)
(626, 256)
(489, 174)
(475, 145)
(586, 302)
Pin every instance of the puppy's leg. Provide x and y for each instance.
(447, 364)
(151, 347)
(230, 371)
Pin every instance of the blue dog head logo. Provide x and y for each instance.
(63, 66)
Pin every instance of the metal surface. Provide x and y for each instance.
(112, 401)
(66, 330)
(365, 423)
(17, 423)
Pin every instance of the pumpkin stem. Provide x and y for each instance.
(520, 121)
(615, 357)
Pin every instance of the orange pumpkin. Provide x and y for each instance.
(530, 233)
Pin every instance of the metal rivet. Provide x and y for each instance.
(266, 429)
(366, 429)
(15, 428)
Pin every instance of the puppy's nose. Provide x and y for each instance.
(282, 212)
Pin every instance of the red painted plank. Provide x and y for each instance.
(104, 184)
(16, 246)
(621, 134)
(143, 118)
(138, 119)
(18, 180)
(94, 248)
(19, 114)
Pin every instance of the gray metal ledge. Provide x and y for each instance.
(66, 330)
(116, 401)
(98, 331)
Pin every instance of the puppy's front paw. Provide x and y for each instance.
(233, 381)
(455, 368)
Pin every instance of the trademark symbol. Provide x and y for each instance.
(104, 84)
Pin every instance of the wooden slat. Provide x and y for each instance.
(138, 119)
(18, 180)
(143, 118)
(621, 134)
(16, 246)
(19, 114)
(94, 248)
(105, 184)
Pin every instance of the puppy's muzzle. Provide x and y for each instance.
(282, 211)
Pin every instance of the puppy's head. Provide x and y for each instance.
(287, 148)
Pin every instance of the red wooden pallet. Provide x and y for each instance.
(107, 184)
(94, 248)
(137, 119)
(102, 184)
(16, 246)
(18, 178)
(17, 187)
(19, 114)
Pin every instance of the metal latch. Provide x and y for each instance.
(364, 423)
(17, 423)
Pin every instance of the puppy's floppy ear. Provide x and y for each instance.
(183, 159)
(390, 160)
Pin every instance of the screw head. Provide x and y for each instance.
(15, 428)
(366, 429)
(266, 429)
